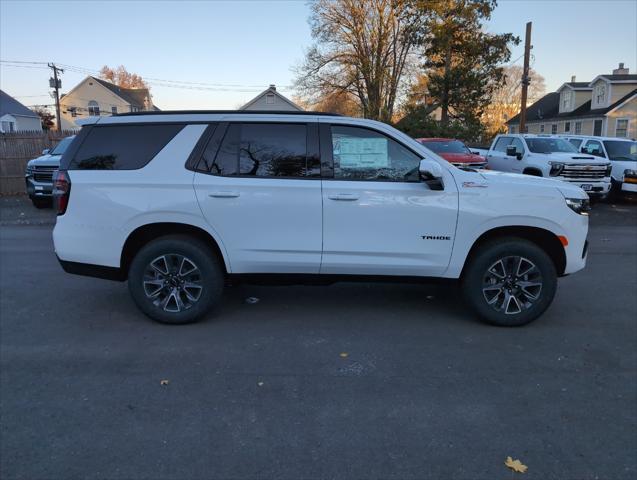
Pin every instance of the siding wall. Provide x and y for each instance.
(629, 111)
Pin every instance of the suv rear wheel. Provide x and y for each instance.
(509, 282)
(175, 279)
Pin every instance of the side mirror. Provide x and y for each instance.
(475, 153)
(45, 151)
(431, 173)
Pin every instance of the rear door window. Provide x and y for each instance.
(122, 147)
(266, 150)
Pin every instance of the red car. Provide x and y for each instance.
(454, 151)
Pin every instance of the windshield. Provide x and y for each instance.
(62, 146)
(447, 146)
(618, 150)
(549, 145)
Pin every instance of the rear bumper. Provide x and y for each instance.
(95, 271)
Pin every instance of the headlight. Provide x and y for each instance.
(556, 168)
(579, 205)
(609, 168)
(630, 173)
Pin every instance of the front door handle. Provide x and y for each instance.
(343, 196)
(224, 194)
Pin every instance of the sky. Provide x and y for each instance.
(230, 51)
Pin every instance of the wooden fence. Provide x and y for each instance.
(16, 149)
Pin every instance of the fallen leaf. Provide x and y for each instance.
(260, 384)
(344, 354)
(164, 382)
(515, 465)
(252, 300)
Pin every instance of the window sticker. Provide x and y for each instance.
(365, 153)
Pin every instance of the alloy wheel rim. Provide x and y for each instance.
(173, 282)
(512, 285)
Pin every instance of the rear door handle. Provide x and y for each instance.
(224, 194)
(343, 196)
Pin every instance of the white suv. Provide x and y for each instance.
(179, 203)
(547, 156)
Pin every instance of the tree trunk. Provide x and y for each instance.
(444, 101)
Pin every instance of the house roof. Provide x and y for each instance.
(9, 105)
(548, 107)
(134, 96)
(624, 78)
(271, 89)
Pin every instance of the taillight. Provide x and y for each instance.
(61, 191)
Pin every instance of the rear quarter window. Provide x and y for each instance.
(122, 147)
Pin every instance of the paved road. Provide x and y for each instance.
(262, 390)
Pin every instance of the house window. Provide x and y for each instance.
(567, 127)
(542, 128)
(621, 127)
(554, 128)
(8, 127)
(114, 110)
(512, 129)
(93, 109)
(578, 128)
(73, 111)
(133, 108)
(566, 100)
(600, 93)
(269, 99)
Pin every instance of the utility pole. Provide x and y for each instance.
(56, 84)
(525, 77)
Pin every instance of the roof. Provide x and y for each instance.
(134, 96)
(575, 86)
(271, 90)
(548, 107)
(9, 105)
(625, 78)
(217, 112)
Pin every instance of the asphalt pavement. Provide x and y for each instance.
(341, 382)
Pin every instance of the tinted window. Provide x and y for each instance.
(61, 147)
(549, 145)
(265, 150)
(501, 144)
(362, 154)
(618, 150)
(122, 147)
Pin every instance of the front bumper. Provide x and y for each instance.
(629, 184)
(591, 187)
(37, 189)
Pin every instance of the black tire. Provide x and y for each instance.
(481, 282)
(208, 275)
(42, 202)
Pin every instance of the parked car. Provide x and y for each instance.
(622, 153)
(180, 203)
(39, 171)
(454, 151)
(549, 156)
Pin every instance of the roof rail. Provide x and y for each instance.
(217, 112)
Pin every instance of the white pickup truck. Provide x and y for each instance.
(545, 156)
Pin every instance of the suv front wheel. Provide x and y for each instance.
(509, 282)
(175, 279)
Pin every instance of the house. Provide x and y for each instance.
(270, 99)
(94, 97)
(15, 117)
(606, 106)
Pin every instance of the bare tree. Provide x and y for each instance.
(361, 51)
(506, 100)
(122, 77)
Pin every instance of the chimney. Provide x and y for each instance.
(273, 86)
(621, 70)
(573, 78)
